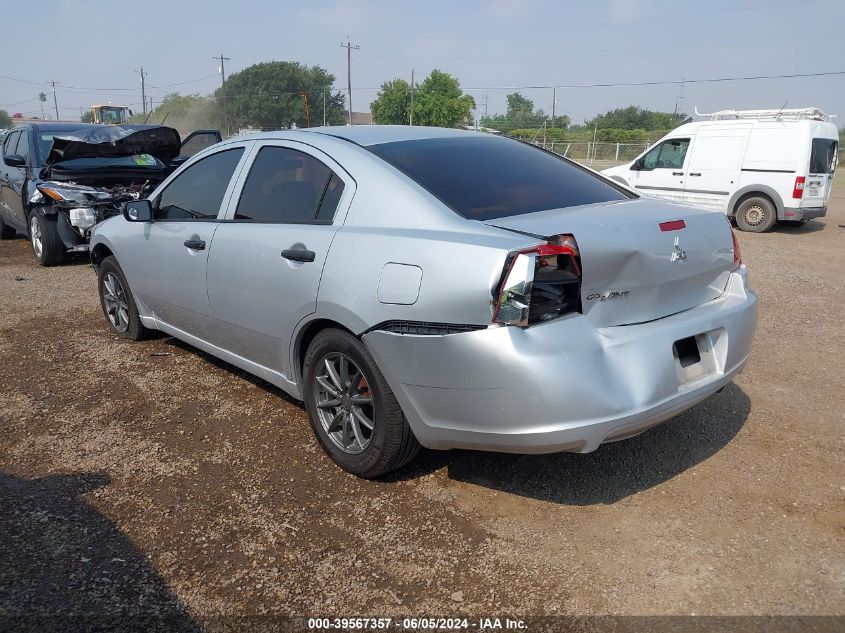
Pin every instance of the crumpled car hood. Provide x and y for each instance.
(107, 141)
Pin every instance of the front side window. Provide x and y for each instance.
(484, 178)
(288, 186)
(823, 156)
(669, 154)
(197, 193)
(10, 143)
(23, 145)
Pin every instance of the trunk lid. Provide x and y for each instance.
(634, 271)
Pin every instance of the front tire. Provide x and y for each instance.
(352, 410)
(756, 215)
(44, 238)
(117, 301)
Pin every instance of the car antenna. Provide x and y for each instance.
(781, 109)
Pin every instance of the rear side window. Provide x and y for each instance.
(823, 156)
(487, 178)
(197, 193)
(288, 186)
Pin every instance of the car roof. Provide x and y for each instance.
(365, 135)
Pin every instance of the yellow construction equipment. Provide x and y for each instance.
(110, 114)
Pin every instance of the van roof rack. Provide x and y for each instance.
(792, 114)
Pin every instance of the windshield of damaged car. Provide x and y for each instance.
(140, 161)
(486, 178)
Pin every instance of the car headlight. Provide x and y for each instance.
(62, 192)
(83, 218)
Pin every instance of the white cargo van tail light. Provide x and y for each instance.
(798, 189)
(539, 284)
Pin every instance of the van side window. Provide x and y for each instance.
(669, 154)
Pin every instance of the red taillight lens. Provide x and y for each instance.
(798, 189)
(539, 284)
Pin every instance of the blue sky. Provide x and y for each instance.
(492, 44)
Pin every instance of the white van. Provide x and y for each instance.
(757, 166)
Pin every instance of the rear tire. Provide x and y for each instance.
(342, 428)
(117, 301)
(756, 215)
(44, 239)
(7, 232)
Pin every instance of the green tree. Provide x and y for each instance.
(637, 118)
(5, 120)
(186, 113)
(87, 117)
(519, 105)
(273, 95)
(521, 115)
(439, 101)
(392, 105)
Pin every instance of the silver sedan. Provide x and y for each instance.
(422, 286)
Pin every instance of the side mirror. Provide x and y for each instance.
(138, 211)
(637, 165)
(179, 160)
(14, 160)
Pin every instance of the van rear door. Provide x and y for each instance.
(714, 164)
(820, 176)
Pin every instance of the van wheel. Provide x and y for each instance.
(44, 238)
(756, 215)
(352, 410)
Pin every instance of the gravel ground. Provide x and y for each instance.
(149, 479)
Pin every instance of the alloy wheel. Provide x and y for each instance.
(117, 307)
(344, 403)
(35, 236)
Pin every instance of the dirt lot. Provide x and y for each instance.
(140, 478)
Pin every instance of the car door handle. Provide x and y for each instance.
(677, 173)
(695, 173)
(299, 255)
(195, 245)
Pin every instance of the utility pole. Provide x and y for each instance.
(349, 48)
(143, 73)
(325, 91)
(55, 103)
(412, 96)
(554, 101)
(223, 61)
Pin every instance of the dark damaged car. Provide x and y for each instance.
(57, 180)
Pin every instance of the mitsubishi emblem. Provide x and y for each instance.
(678, 254)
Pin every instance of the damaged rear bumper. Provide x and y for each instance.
(563, 385)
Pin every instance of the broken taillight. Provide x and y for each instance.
(737, 254)
(539, 284)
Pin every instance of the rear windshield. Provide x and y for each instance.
(487, 178)
(823, 156)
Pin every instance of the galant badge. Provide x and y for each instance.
(678, 254)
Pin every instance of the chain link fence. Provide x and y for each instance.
(598, 154)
